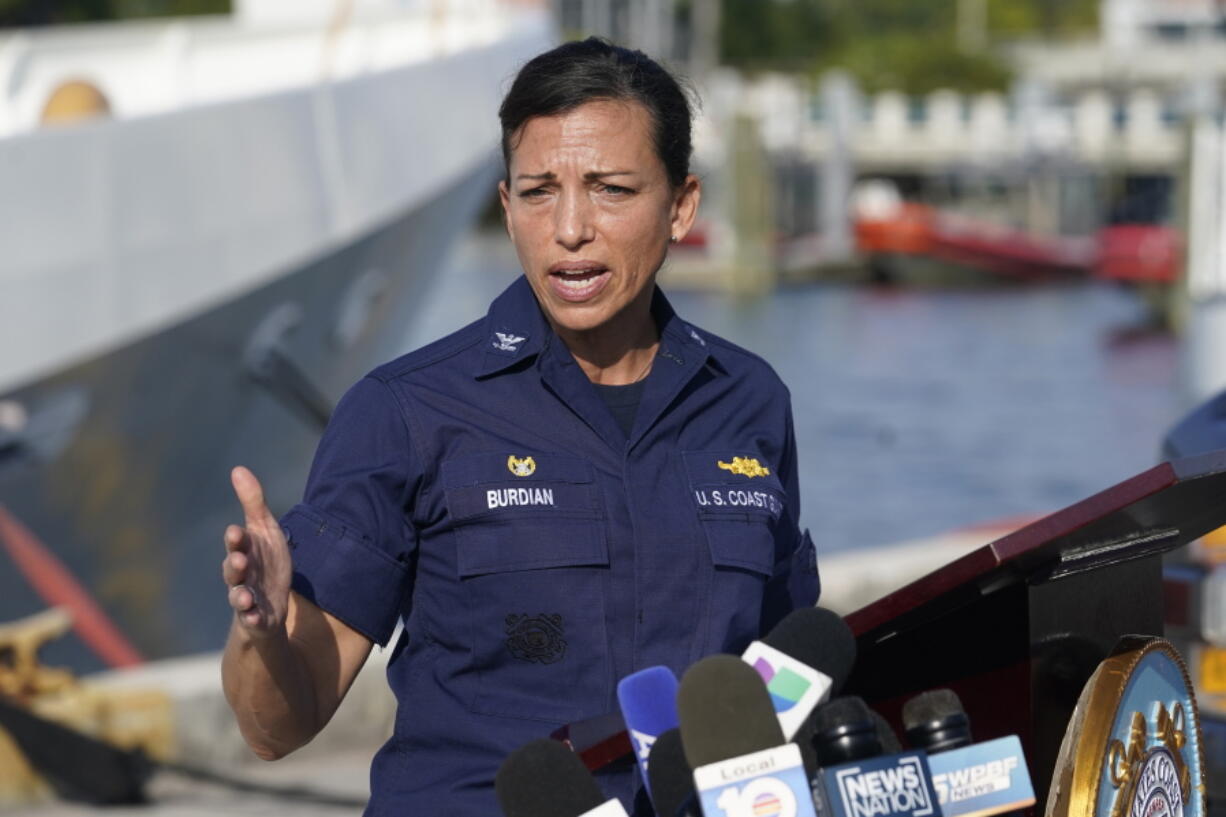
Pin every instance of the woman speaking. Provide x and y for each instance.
(575, 487)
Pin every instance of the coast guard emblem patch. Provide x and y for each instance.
(536, 639)
(745, 466)
(525, 467)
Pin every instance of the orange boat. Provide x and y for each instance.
(909, 231)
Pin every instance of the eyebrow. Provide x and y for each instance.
(596, 174)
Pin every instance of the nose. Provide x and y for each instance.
(573, 220)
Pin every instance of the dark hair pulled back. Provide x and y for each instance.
(584, 71)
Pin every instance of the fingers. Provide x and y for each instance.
(241, 598)
(250, 495)
(236, 539)
(234, 568)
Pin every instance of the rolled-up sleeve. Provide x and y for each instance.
(351, 538)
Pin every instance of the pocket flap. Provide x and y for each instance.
(744, 544)
(537, 544)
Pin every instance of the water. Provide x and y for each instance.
(920, 411)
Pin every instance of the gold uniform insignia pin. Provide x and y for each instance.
(745, 466)
(521, 467)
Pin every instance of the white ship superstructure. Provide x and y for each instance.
(235, 149)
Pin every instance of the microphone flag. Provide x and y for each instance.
(795, 688)
(769, 783)
(982, 779)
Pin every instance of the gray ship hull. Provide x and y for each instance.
(123, 470)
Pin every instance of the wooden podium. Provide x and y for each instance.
(1017, 626)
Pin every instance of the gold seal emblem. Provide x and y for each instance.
(1133, 746)
(521, 467)
(745, 466)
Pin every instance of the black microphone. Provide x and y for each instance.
(724, 711)
(733, 741)
(844, 730)
(856, 776)
(545, 779)
(823, 645)
(936, 722)
(819, 638)
(971, 778)
(670, 776)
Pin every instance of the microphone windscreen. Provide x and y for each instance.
(840, 712)
(933, 705)
(844, 730)
(725, 711)
(819, 638)
(648, 700)
(669, 774)
(936, 722)
(545, 779)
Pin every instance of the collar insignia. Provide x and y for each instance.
(745, 466)
(696, 336)
(507, 342)
(521, 467)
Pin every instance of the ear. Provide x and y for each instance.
(504, 196)
(685, 206)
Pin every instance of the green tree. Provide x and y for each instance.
(910, 45)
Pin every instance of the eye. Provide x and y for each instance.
(617, 190)
(532, 193)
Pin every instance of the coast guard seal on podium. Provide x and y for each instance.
(1133, 746)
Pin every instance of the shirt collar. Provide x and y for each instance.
(678, 340)
(517, 331)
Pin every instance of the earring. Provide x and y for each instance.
(673, 239)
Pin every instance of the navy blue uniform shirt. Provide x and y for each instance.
(481, 490)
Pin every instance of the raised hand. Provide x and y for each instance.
(257, 567)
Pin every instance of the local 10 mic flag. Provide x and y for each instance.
(795, 688)
(770, 783)
(886, 786)
(982, 779)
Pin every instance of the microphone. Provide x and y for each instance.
(648, 700)
(733, 741)
(814, 637)
(970, 778)
(672, 779)
(545, 779)
(803, 660)
(856, 778)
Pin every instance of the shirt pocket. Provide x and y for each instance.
(739, 501)
(533, 563)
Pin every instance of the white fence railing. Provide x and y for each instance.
(891, 129)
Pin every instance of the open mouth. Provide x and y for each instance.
(578, 284)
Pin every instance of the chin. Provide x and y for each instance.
(580, 319)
